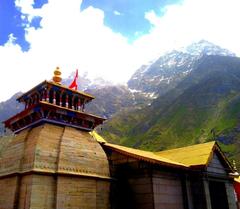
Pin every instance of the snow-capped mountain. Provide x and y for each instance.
(204, 47)
(147, 83)
(166, 72)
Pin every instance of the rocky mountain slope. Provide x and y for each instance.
(9, 108)
(112, 99)
(198, 103)
(109, 98)
(168, 70)
(186, 96)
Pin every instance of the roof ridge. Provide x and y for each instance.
(186, 147)
(144, 155)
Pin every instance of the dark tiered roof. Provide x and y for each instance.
(55, 103)
(46, 83)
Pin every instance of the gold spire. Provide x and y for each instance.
(57, 76)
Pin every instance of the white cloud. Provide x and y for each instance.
(214, 20)
(117, 13)
(72, 39)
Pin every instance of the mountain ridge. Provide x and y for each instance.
(206, 101)
(184, 97)
(169, 69)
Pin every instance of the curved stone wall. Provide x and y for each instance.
(51, 166)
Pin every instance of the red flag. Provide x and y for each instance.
(74, 84)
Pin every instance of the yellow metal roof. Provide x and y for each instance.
(195, 155)
(199, 155)
(143, 155)
(97, 137)
(237, 179)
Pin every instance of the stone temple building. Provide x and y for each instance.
(57, 161)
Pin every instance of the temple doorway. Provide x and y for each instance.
(218, 195)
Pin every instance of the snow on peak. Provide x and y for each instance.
(173, 66)
(179, 58)
(207, 48)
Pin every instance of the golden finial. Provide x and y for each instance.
(57, 76)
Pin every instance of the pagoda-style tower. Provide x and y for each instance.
(54, 103)
(54, 161)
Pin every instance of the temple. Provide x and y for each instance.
(54, 103)
(57, 161)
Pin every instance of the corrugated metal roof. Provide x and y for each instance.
(195, 155)
(237, 179)
(143, 155)
(198, 155)
(97, 137)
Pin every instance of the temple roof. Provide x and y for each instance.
(143, 155)
(97, 137)
(57, 85)
(199, 155)
(194, 155)
(237, 179)
(52, 102)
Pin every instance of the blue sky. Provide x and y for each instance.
(122, 16)
(128, 16)
(12, 21)
(106, 38)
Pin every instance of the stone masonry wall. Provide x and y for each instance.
(143, 192)
(50, 167)
(8, 189)
(167, 191)
(74, 193)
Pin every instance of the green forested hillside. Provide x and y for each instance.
(203, 106)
